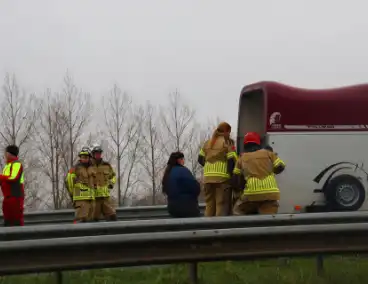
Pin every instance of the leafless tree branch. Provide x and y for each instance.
(123, 125)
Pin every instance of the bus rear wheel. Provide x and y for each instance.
(344, 193)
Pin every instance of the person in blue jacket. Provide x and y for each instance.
(181, 188)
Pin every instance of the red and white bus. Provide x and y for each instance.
(322, 135)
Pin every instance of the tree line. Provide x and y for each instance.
(51, 127)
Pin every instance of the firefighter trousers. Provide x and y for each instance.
(83, 210)
(13, 211)
(218, 199)
(102, 205)
(245, 207)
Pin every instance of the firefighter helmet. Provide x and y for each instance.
(85, 152)
(252, 137)
(97, 149)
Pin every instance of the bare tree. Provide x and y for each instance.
(152, 161)
(51, 140)
(45, 143)
(177, 120)
(77, 114)
(18, 116)
(181, 130)
(18, 113)
(64, 117)
(192, 152)
(134, 154)
(121, 127)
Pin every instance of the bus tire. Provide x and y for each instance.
(344, 193)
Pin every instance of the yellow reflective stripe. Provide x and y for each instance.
(113, 179)
(275, 190)
(278, 162)
(259, 186)
(81, 186)
(236, 171)
(102, 188)
(102, 191)
(15, 168)
(217, 175)
(6, 170)
(201, 153)
(70, 181)
(85, 192)
(215, 169)
(231, 155)
(81, 197)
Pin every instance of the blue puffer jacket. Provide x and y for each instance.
(182, 186)
(182, 193)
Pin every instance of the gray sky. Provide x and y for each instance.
(209, 49)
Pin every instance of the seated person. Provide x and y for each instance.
(181, 188)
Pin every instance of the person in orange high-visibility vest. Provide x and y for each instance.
(12, 186)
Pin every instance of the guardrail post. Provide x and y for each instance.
(319, 262)
(193, 273)
(59, 277)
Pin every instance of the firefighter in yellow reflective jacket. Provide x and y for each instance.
(104, 179)
(79, 183)
(254, 173)
(218, 157)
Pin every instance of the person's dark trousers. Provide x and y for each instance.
(183, 209)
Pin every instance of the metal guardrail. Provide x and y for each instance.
(28, 256)
(170, 225)
(123, 213)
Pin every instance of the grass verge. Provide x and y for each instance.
(338, 270)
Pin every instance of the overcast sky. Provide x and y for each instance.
(208, 49)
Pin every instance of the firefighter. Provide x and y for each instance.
(234, 194)
(218, 157)
(12, 186)
(255, 173)
(80, 186)
(104, 179)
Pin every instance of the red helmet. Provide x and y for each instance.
(252, 137)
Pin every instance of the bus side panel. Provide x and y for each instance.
(308, 154)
